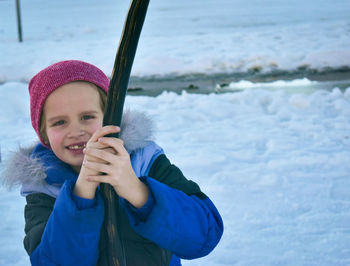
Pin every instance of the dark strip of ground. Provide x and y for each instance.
(216, 83)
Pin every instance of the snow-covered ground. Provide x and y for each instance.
(274, 158)
(179, 37)
(276, 164)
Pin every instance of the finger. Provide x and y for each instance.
(91, 158)
(106, 155)
(104, 131)
(99, 167)
(88, 156)
(99, 178)
(96, 145)
(116, 144)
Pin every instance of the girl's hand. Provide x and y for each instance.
(83, 187)
(109, 162)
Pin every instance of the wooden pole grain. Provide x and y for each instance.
(113, 116)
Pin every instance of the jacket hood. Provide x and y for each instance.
(21, 168)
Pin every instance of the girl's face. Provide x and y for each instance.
(72, 113)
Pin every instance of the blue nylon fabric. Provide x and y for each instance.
(142, 159)
(175, 261)
(186, 225)
(71, 235)
(83, 203)
(142, 213)
(56, 170)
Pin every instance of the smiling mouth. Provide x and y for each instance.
(77, 146)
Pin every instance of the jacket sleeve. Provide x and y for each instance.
(181, 219)
(67, 235)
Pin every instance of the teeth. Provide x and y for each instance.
(76, 147)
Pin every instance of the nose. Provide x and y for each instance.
(75, 130)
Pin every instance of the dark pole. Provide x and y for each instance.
(19, 24)
(113, 116)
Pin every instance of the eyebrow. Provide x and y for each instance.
(89, 112)
(56, 118)
(63, 116)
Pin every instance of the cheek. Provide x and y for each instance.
(55, 138)
(95, 126)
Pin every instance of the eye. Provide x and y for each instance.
(87, 117)
(58, 123)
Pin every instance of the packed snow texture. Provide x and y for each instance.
(276, 165)
(179, 37)
(274, 158)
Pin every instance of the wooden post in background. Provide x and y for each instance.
(19, 23)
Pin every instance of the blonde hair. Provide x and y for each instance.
(103, 103)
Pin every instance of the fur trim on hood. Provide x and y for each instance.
(21, 168)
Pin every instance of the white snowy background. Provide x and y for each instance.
(273, 157)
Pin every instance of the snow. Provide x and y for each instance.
(182, 37)
(243, 84)
(274, 157)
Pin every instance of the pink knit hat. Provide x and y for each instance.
(56, 75)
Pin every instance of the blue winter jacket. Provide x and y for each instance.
(177, 219)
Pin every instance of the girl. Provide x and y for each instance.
(164, 216)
